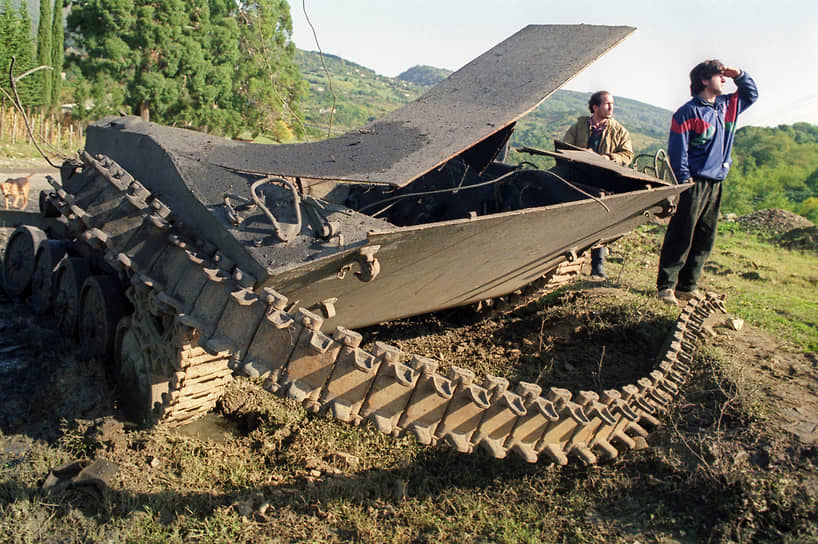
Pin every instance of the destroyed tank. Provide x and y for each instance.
(186, 259)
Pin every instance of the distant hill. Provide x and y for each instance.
(362, 96)
(424, 75)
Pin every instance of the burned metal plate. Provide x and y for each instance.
(482, 98)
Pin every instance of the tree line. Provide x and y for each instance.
(774, 168)
(220, 66)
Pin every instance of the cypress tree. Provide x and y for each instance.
(273, 85)
(8, 30)
(15, 41)
(57, 53)
(44, 53)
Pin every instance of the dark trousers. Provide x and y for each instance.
(598, 262)
(690, 236)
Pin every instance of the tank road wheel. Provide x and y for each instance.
(71, 275)
(49, 256)
(133, 373)
(18, 263)
(101, 306)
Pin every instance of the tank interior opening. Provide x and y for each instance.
(456, 190)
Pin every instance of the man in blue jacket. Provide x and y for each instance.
(701, 138)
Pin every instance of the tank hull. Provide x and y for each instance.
(422, 268)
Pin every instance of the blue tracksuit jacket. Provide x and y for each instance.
(701, 133)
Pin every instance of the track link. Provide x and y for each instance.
(202, 320)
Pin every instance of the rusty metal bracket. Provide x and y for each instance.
(668, 208)
(365, 259)
(285, 232)
(232, 213)
(370, 267)
(324, 229)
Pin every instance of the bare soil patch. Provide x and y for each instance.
(13, 165)
(775, 221)
(805, 239)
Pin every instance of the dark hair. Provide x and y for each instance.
(596, 99)
(703, 70)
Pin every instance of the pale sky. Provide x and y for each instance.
(776, 41)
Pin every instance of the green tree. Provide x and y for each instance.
(774, 168)
(809, 209)
(57, 54)
(181, 62)
(8, 32)
(812, 181)
(16, 41)
(44, 53)
(273, 87)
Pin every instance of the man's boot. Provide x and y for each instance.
(598, 262)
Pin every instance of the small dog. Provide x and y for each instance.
(15, 190)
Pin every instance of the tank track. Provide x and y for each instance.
(197, 319)
(563, 274)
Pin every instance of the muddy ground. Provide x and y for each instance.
(592, 336)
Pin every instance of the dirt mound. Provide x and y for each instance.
(775, 221)
(804, 239)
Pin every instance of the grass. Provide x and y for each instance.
(774, 288)
(18, 150)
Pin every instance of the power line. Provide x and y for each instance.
(324, 64)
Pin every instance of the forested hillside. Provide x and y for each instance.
(359, 94)
(774, 168)
(362, 96)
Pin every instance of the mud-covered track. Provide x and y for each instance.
(197, 319)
